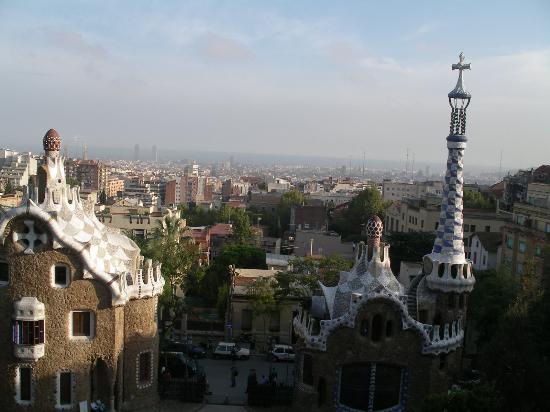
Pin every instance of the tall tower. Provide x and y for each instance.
(84, 151)
(154, 153)
(136, 151)
(446, 268)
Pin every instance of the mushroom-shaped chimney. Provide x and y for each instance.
(51, 141)
(374, 231)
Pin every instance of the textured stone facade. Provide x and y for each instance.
(425, 374)
(93, 319)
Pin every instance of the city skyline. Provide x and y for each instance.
(282, 78)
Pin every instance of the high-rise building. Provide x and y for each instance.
(92, 175)
(154, 153)
(136, 151)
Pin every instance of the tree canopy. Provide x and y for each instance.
(301, 280)
(476, 200)
(242, 229)
(177, 253)
(367, 203)
(408, 247)
(516, 357)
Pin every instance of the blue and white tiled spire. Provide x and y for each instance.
(446, 267)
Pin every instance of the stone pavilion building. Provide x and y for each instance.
(367, 344)
(78, 303)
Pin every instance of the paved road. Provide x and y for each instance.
(222, 408)
(219, 377)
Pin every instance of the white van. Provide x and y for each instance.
(231, 350)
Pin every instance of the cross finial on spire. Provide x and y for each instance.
(461, 65)
(460, 91)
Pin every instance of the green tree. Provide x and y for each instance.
(103, 197)
(263, 300)
(72, 182)
(408, 247)
(198, 216)
(242, 229)
(494, 292)
(478, 398)
(206, 282)
(516, 356)
(302, 279)
(288, 199)
(367, 203)
(476, 200)
(241, 255)
(8, 188)
(178, 254)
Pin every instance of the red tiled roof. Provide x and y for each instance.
(221, 229)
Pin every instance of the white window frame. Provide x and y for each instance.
(143, 384)
(18, 399)
(92, 326)
(58, 390)
(5, 282)
(52, 273)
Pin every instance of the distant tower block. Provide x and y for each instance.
(84, 151)
(154, 153)
(136, 152)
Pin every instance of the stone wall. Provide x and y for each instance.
(96, 363)
(347, 345)
(140, 335)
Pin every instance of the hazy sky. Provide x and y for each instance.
(308, 77)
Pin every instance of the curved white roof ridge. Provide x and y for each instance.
(365, 277)
(91, 240)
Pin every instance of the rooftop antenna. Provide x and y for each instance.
(407, 164)
(500, 165)
(412, 168)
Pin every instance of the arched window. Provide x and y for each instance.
(454, 271)
(389, 328)
(358, 379)
(441, 269)
(465, 271)
(377, 324)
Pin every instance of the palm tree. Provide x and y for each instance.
(177, 253)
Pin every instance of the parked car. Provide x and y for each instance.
(179, 365)
(230, 350)
(189, 349)
(282, 353)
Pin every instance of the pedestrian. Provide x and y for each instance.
(165, 377)
(264, 380)
(234, 373)
(273, 376)
(252, 380)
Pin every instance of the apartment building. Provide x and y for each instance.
(92, 175)
(115, 187)
(525, 238)
(16, 168)
(422, 215)
(395, 191)
(134, 217)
